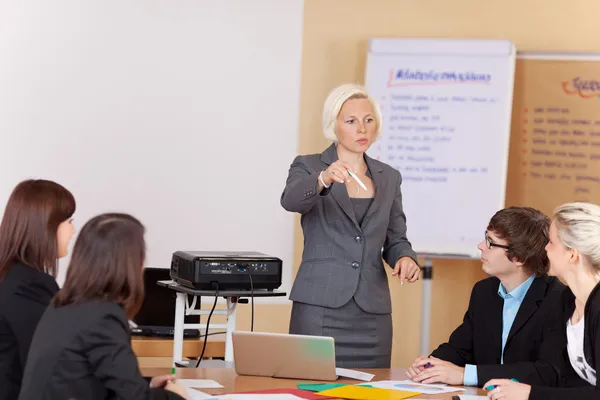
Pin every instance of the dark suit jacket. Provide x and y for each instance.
(83, 351)
(338, 252)
(577, 388)
(24, 295)
(535, 341)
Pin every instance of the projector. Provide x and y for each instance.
(204, 270)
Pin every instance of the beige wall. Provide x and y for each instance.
(336, 34)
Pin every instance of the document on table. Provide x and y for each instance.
(278, 396)
(199, 383)
(411, 386)
(350, 373)
(194, 394)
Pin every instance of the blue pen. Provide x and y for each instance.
(427, 365)
(491, 387)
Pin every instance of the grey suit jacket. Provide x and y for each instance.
(341, 258)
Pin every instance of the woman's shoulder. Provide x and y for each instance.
(19, 273)
(24, 282)
(308, 159)
(91, 311)
(594, 302)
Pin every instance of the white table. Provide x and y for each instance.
(183, 308)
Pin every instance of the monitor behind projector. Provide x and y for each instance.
(157, 314)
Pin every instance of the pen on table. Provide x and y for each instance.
(362, 185)
(491, 387)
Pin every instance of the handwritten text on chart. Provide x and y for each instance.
(415, 132)
(584, 88)
(561, 147)
(413, 77)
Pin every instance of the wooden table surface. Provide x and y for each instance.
(234, 383)
(163, 347)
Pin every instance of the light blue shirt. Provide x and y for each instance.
(512, 302)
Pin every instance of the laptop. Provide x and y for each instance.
(157, 314)
(284, 355)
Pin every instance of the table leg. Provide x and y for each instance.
(231, 306)
(178, 331)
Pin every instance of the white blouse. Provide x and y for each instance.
(575, 335)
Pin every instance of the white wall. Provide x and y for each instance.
(182, 113)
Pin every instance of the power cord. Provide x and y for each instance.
(212, 333)
(208, 323)
(252, 299)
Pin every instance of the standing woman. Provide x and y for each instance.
(82, 346)
(34, 233)
(341, 289)
(574, 254)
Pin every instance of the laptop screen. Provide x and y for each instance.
(158, 308)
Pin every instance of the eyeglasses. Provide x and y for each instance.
(489, 243)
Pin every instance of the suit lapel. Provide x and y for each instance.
(379, 182)
(338, 190)
(494, 322)
(529, 306)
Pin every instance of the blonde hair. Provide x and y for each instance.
(578, 227)
(334, 102)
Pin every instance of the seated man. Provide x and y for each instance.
(511, 329)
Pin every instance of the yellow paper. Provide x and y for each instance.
(366, 393)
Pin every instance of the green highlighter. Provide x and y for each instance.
(491, 387)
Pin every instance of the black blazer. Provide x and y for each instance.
(534, 343)
(83, 351)
(24, 295)
(591, 351)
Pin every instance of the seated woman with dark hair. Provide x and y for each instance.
(35, 232)
(81, 348)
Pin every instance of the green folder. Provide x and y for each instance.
(317, 387)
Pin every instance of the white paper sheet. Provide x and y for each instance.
(199, 383)
(194, 394)
(269, 396)
(410, 386)
(350, 373)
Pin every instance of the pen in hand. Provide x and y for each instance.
(362, 185)
(492, 387)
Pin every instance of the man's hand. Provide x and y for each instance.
(439, 371)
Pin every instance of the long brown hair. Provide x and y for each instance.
(107, 263)
(28, 230)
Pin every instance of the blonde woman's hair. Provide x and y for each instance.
(334, 102)
(578, 227)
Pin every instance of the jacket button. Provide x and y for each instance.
(355, 265)
(358, 239)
